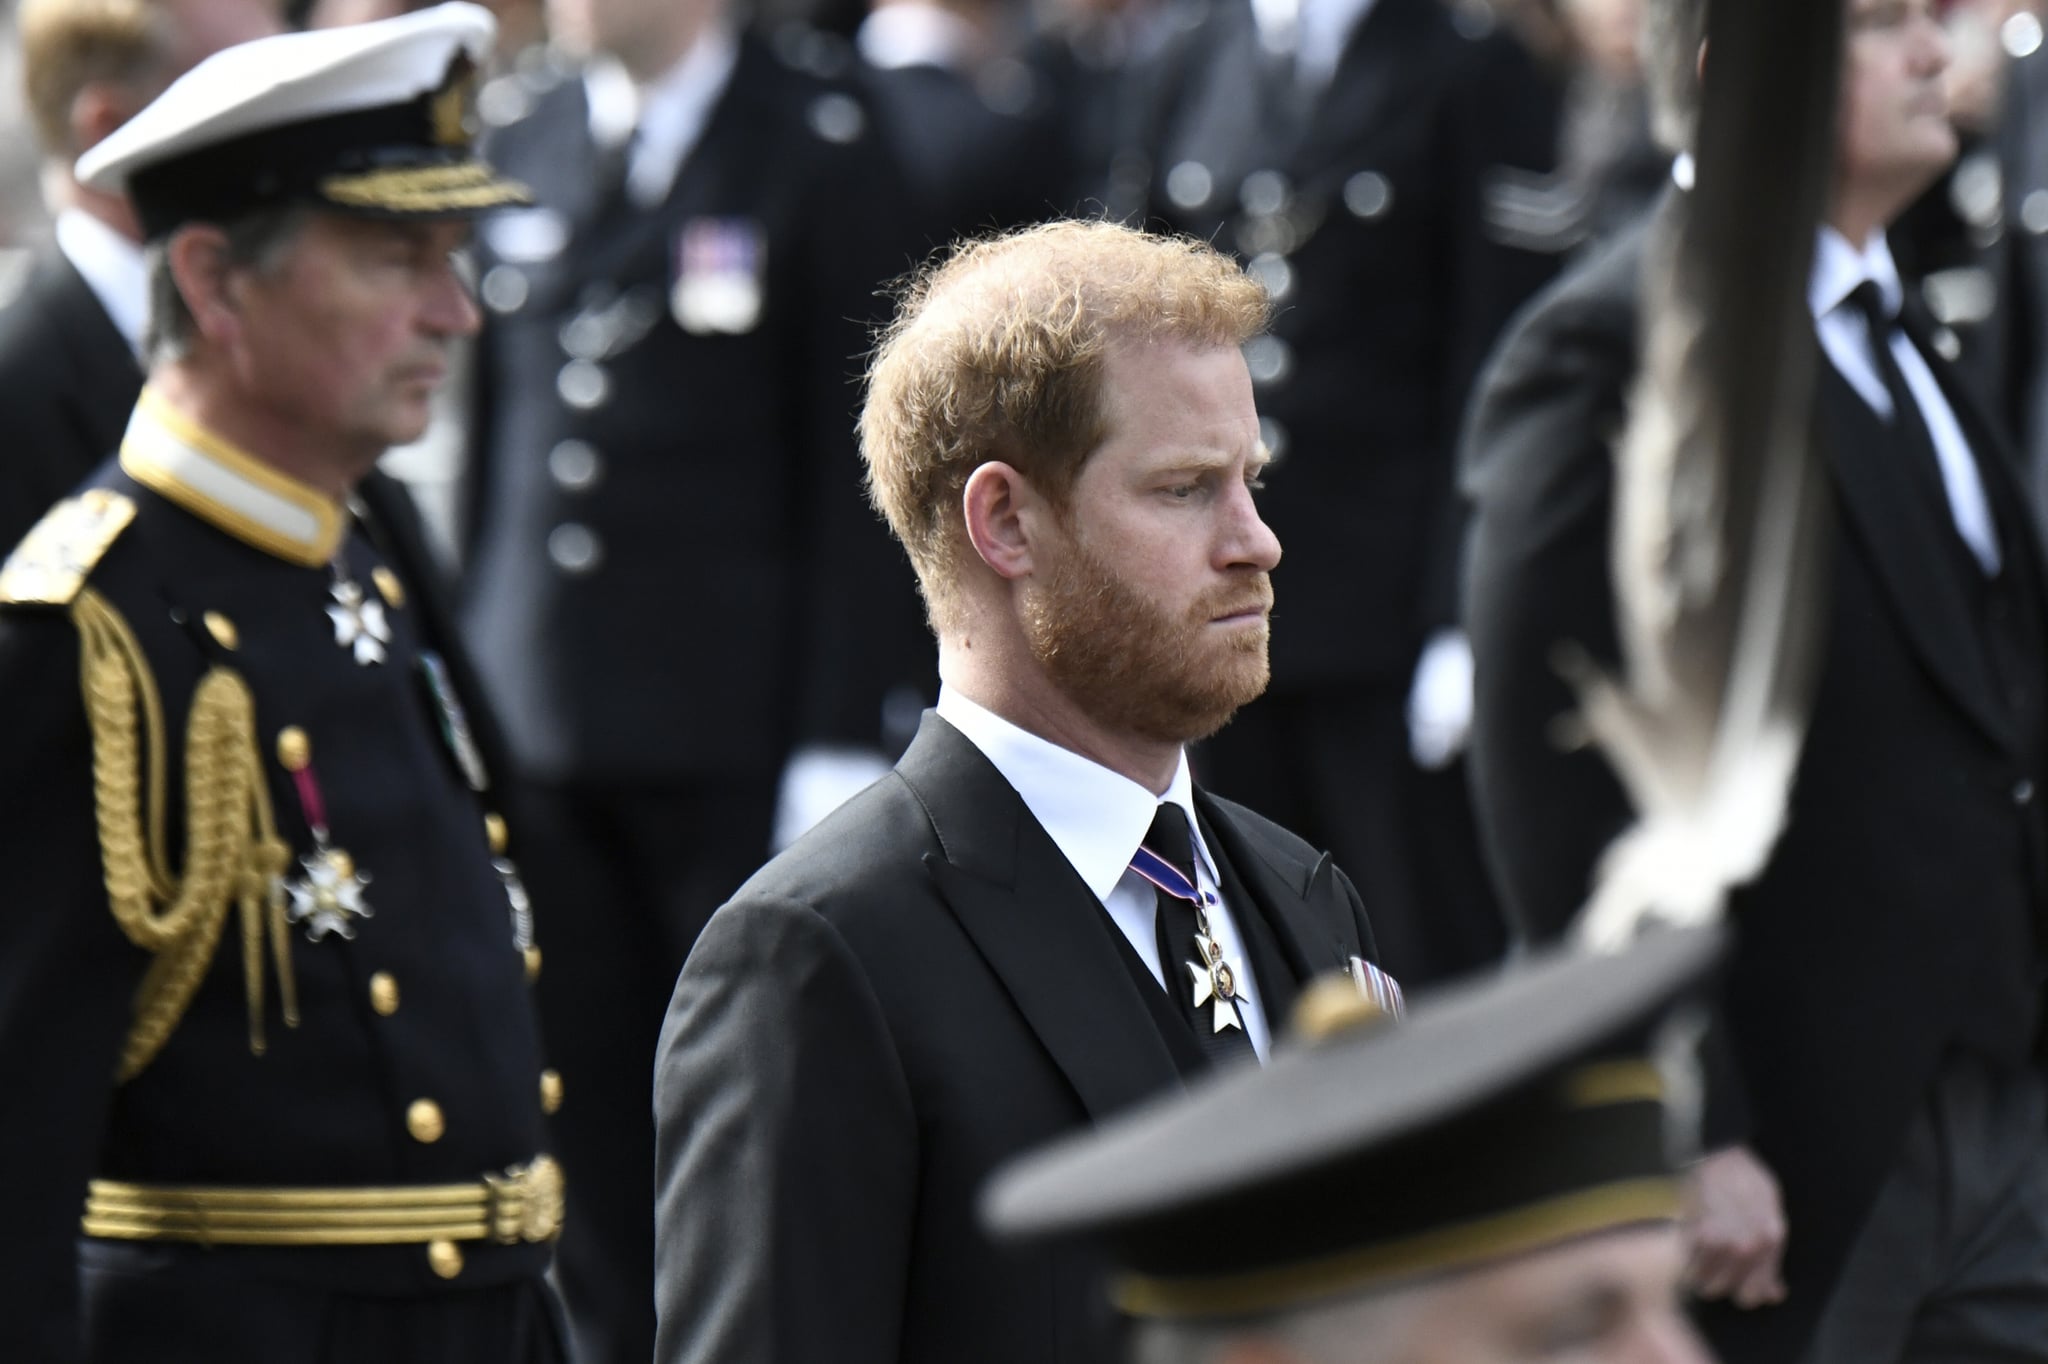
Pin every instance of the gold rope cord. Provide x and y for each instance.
(233, 855)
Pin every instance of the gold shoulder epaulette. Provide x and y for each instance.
(53, 561)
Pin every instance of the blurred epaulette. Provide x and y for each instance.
(51, 564)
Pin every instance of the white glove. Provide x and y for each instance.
(817, 781)
(1440, 701)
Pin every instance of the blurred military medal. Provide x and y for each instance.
(359, 624)
(327, 893)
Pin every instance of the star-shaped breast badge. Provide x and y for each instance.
(359, 623)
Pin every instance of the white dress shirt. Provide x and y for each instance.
(1097, 818)
(665, 117)
(1838, 268)
(112, 268)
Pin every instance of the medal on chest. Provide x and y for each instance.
(1214, 979)
(326, 894)
(360, 625)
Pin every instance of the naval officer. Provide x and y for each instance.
(264, 970)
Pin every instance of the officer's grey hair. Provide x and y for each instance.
(257, 240)
(1672, 33)
(1374, 1329)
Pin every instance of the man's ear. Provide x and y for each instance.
(97, 109)
(198, 258)
(995, 505)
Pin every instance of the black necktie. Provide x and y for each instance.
(1183, 964)
(1910, 432)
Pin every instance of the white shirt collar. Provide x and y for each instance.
(112, 268)
(1095, 816)
(171, 455)
(914, 34)
(1839, 267)
(664, 116)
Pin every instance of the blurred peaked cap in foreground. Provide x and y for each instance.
(1503, 1114)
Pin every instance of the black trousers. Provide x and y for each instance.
(622, 880)
(151, 1304)
(1333, 766)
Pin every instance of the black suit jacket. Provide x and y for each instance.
(738, 596)
(67, 384)
(919, 989)
(1391, 218)
(1896, 918)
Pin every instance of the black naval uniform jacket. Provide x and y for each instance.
(67, 383)
(1898, 916)
(415, 1059)
(1391, 219)
(658, 485)
(917, 990)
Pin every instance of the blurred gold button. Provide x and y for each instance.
(532, 965)
(222, 629)
(495, 831)
(384, 993)
(388, 586)
(294, 749)
(445, 1258)
(424, 1121)
(550, 1090)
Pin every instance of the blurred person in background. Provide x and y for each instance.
(975, 127)
(70, 341)
(1876, 1187)
(680, 598)
(1383, 167)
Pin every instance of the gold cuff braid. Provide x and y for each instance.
(233, 855)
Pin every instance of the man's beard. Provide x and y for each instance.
(1132, 668)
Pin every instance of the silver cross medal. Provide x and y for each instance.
(1215, 981)
(327, 894)
(359, 624)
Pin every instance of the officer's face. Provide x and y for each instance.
(1895, 137)
(1606, 1299)
(346, 337)
(1150, 611)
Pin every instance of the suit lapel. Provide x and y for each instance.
(1037, 924)
(1299, 900)
(1904, 545)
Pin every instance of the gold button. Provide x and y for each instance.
(294, 749)
(495, 831)
(532, 965)
(388, 586)
(424, 1121)
(222, 629)
(550, 1090)
(384, 993)
(445, 1258)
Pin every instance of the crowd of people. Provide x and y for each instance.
(647, 638)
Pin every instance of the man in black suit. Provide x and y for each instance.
(1036, 919)
(1381, 166)
(69, 341)
(1877, 1051)
(680, 601)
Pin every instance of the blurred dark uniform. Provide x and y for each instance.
(67, 380)
(674, 578)
(1397, 213)
(264, 966)
(981, 137)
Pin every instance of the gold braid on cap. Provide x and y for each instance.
(232, 852)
